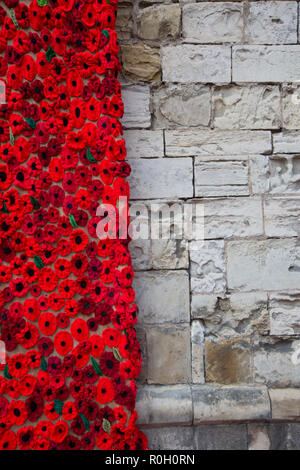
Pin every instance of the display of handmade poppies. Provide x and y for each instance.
(67, 311)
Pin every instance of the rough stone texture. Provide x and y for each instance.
(221, 176)
(271, 23)
(286, 142)
(197, 339)
(273, 364)
(213, 22)
(142, 144)
(162, 297)
(258, 438)
(228, 361)
(140, 254)
(169, 354)
(215, 142)
(271, 265)
(186, 105)
(266, 64)
(234, 315)
(285, 314)
(140, 62)
(137, 104)
(232, 217)
(159, 22)
(169, 178)
(164, 405)
(276, 174)
(285, 403)
(290, 106)
(207, 266)
(202, 64)
(171, 438)
(282, 217)
(242, 107)
(124, 23)
(221, 437)
(170, 254)
(230, 403)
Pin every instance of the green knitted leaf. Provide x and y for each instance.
(96, 367)
(4, 208)
(42, 3)
(12, 15)
(106, 425)
(31, 123)
(38, 262)
(117, 354)
(35, 203)
(72, 221)
(6, 373)
(11, 137)
(85, 422)
(50, 54)
(106, 33)
(58, 405)
(89, 156)
(44, 364)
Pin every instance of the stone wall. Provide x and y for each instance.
(212, 94)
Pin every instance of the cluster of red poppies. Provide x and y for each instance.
(66, 303)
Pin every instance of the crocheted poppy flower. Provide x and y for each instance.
(63, 342)
(105, 391)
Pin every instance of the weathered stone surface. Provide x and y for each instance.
(141, 144)
(170, 438)
(170, 254)
(140, 254)
(221, 437)
(290, 106)
(181, 143)
(140, 62)
(141, 335)
(185, 105)
(137, 106)
(275, 174)
(266, 63)
(285, 314)
(228, 361)
(232, 217)
(271, 265)
(159, 22)
(247, 107)
(192, 63)
(235, 315)
(164, 404)
(282, 216)
(271, 23)
(124, 21)
(161, 178)
(162, 296)
(258, 438)
(197, 339)
(207, 265)
(285, 403)
(229, 403)
(221, 176)
(287, 142)
(273, 364)
(212, 22)
(169, 354)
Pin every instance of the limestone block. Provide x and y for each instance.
(247, 107)
(207, 265)
(189, 63)
(140, 62)
(221, 437)
(144, 143)
(137, 106)
(282, 216)
(285, 314)
(159, 22)
(197, 339)
(162, 296)
(170, 254)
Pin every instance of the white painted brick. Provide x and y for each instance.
(192, 63)
(209, 22)
(195, 142)
(271, 23)
(161, 178)
(247, 107)
(137, 106)
(263, 265)
(223, 176)
(140, 143)
(266, 63)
